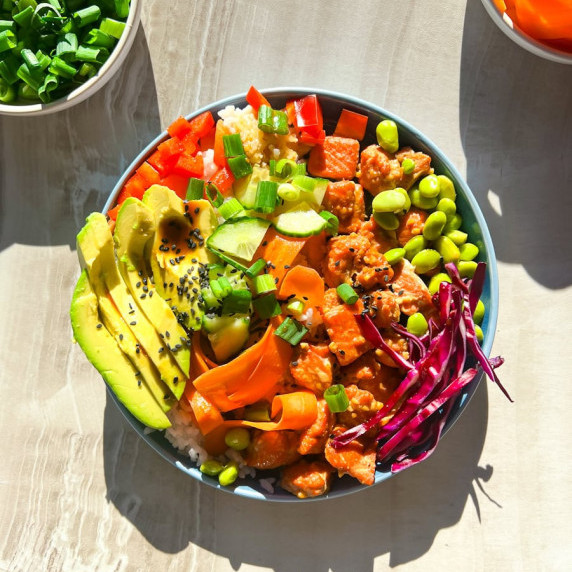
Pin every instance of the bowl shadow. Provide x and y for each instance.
(76, 155)
(515, 124)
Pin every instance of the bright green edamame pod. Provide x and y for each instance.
(479, 334)
(479, 312)
(421, 202)
(469, 251)
(211, 468)
(457, 236)
(453, 223)
(436, 281)
(228, 475)
(467, 268)
(447, 206)
(447, 188)
(408, 166)
(388, 202)
(434, 225)
(237, 438)
(407, 205)
(426, 260)
(429, 187)
(394, 256)
(417, 324)
(414, 246)
(447, 249)
(387, 135)
(387, 221)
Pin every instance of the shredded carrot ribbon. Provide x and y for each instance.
(305, 284)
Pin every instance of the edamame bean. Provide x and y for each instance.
(447, 249)
(469, 251)
(436, 281)
(417, 324)
(388, 202)
(394, 256)
(237, 438)
(426, 260)
(479, 312)
(414, 246)
(387, 221)
(421, 202)
(387, 135)
(447, 206)
(211, 468)
(447, 188)
(479, 334)
(408, 166)
(457, 236)
(453, 223)
(429, 186)
(228, 475)
(407, 205)
(434, 225)
(466, 268)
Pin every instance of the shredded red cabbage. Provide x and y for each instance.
(435, 375)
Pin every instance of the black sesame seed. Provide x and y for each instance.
(133, 323)
(120, 337)
(99, 326)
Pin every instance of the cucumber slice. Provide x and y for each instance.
(245, 189)
(302, 220)
(227, 334)
(239, 237)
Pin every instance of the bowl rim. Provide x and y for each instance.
(506, 25)
(243, 490)
(92, 85)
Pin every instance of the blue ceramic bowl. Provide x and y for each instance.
(474, 223)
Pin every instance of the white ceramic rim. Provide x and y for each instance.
(524, 40)
(92, 85)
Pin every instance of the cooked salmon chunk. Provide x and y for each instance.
(272, 449)
(397, 343)
(305, 479)
(313, 439)
(345, 200)
(410, 225)
(362, 406)
(312, 367)
(383, 307)
(422, 166)
(336, 158)
(411, 292)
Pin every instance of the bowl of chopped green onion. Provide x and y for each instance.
(57, 53)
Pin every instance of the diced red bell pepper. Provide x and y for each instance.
(112, 214)
(208, 140)
(179, 128)
(223, 179)
(177, 183)
(256, 99)
(291, 113)
(162, 166)
(189, 142)
(308, 113)
(170, 148)
(219, 157)
(134, 187)
(202, 124)
(148, 175)
(187, 166)
(351, 124)
(312, 136)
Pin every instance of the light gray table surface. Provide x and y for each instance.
(80, 492)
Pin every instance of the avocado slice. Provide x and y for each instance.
(95, 247)
(102, 350)
(134, 228)
(179, 256)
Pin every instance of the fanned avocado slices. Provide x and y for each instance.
(178, 255)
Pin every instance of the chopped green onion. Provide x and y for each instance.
(50, 84)
(336, 398)
(92, 55)
(195, 189)
(300, 169)
(237, 302)
(112, 27)
(267, 306)
(288, 192)
(98, 38)
(408, 166)
(231, 207)
(295, 306)
(239, 166)
(284, 168)
(87, 70)
(256, 268)
(43, 59)
(347, 293)
(68, 45)
(332, 222)
(266, 195)
(86, 16)
(228, 259)
(30, 60)
(216, 289)
(28, 78)
(7, 92)
(9, 68)
(221, 287)
(7, 40)
(264, 283)
(272, 121)
(232, 145)
(304, 183)
(272, 167)
(291, 331)
(61, 68)
(26, 91)
(122, 8)
(24, 17)
(209, 298)
(214, 195)
(7, 25)
(280, 123)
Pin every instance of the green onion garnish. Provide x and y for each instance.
(288, 192)
(239, 166)
(209, 298)
(280, 123)
(24, 17)
(264, 283)
(86, 16)
(7, 25)
(7, 41)
(67, 45)
(221, 287)
(122, 8)
(9, 68)
(228, 259)
(267, 306)
(96, 37)
(61, 68)
(231, 207)
(332, 222)
(291, 331)
(266, 196)
(347, 293)
(256, 268)
(195, 189)
(232, 145)
(272, 167)
(272, 121)
(214, 195)
(336, 398)
(7, 92)
(92, 55)
(237, 302)
(30, 60)
(49, 85)
(295, 306)
(285, 168)
(304, 183)
(112, 27)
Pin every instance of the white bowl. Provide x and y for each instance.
(93, 84)
(504, 22)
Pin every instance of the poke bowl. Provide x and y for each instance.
(287, 321)
(86, 45)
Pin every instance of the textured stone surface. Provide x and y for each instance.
(79, 491)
